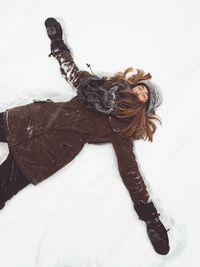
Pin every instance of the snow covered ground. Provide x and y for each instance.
(83, 216)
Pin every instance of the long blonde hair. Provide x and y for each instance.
(141, 125)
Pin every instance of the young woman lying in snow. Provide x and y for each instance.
(44, 136)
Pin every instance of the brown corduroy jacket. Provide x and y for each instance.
(44, 136)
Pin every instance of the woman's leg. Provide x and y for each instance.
(11, 180)
(2, 132)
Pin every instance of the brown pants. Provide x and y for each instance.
(11, 178)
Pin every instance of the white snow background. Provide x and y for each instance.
(83, 216)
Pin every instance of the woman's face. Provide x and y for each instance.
(141, 92)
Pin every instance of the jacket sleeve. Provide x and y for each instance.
(129, 171)
(93, 92)
(69, 69)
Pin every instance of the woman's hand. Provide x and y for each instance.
(54, 31)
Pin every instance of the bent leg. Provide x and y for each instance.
(11, 180)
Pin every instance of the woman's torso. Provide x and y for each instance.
(44, 136)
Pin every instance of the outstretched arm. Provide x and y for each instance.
(128, 169)
(94, 92)
(145, 209)
(69, 69)
(61, 52)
